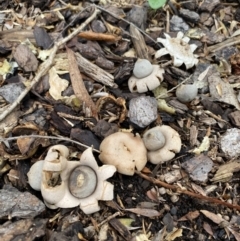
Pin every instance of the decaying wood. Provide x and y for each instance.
(45, 66)
(20, 35)
(99, 36)
(79, 87)
(139, 43)
(94, 71)
(229, 42)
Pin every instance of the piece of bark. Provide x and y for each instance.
(19, 204)
(94, 71)
(42, 37)
(120, 228)
(25, 58)
(19, 35)
(79, 87)
(25, 229)
(139, 43)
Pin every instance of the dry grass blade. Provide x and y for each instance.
(79, 87)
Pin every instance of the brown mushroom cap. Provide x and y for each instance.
(125, 151)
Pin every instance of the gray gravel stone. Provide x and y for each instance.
(230, 142)
(142, 110)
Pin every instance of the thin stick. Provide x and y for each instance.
(191, 194)
(47, 137)
(45, 66)
(124, 20)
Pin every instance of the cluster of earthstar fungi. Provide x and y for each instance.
(65, 184)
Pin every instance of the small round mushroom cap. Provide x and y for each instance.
(35, 175)
(142, 68)
(153, 139)
(186, 93)
(125, 151)
(172, 145)
(82, 181)
(150, 82)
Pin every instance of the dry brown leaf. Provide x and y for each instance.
(222, 91)
(24, 144)
(225, 172)
(208, 228)
(144, 212)
(214, 217)
(189, 216)
(174, 234)
(79, 87)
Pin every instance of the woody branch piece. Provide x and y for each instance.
(186, 192)
(79, 87)
(45, 66)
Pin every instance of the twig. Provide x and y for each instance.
(45, 66)
(47, 137)
(186, 192)
(124, 20)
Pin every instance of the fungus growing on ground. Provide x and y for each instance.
(179, 49)
(162, 143)
(186, 93)
(125, 151)
(145, 76)
(66, 184)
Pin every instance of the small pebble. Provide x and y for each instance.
(186, 93)
(142, 68)
(142, 110)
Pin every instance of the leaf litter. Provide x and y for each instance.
(87, 87)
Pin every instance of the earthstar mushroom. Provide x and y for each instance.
(67, 184)
(145, 76)
(152, 138)
(125, 151)
(179, 49)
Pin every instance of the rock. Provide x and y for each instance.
(178, 24)
(198, 167)
(230, 142)
(186, 93)
(19, 204)
(142, 68)
(142, 110)
(188, 15)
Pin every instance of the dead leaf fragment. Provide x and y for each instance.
(189, 216)
(57, 84)
(222, 91)
(144, 212)
(225, 171)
